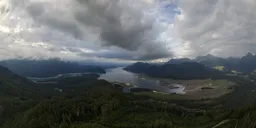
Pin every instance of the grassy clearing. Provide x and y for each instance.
(220, 68)
(195, 90)
(220, 83)
(234, 71)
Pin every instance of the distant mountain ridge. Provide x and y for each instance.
(244, 64)
(186, 70)
(200, 67)
(247, 63)
(179, 61)
(48, 68)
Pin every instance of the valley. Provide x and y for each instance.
(139, 83)
(121, 98)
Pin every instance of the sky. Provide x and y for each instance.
(126, 30)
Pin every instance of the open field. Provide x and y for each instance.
(195, 89)
(220, 68)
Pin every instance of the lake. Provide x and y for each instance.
(133, 80)
(139, 81)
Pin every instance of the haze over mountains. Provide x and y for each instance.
(53, 67)
(48, 68)
(243, 64)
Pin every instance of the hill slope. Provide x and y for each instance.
(16, 94)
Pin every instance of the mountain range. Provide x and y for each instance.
(53, 67)
(86, 101)
(185, 70)
(208, 66)
(48, 68)
(245, 64)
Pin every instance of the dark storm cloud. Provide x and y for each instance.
(119, 23)
(44, 14)
(119, 30)
(115, 53)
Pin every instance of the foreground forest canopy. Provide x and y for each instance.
(86, 102)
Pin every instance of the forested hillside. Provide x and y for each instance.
(107, 107)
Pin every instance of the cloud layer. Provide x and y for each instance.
(80, 29)
(220, 27)
(120, 30)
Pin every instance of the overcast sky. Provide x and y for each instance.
(126, 30)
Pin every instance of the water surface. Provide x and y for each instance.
(137, 80)
(130, 79)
